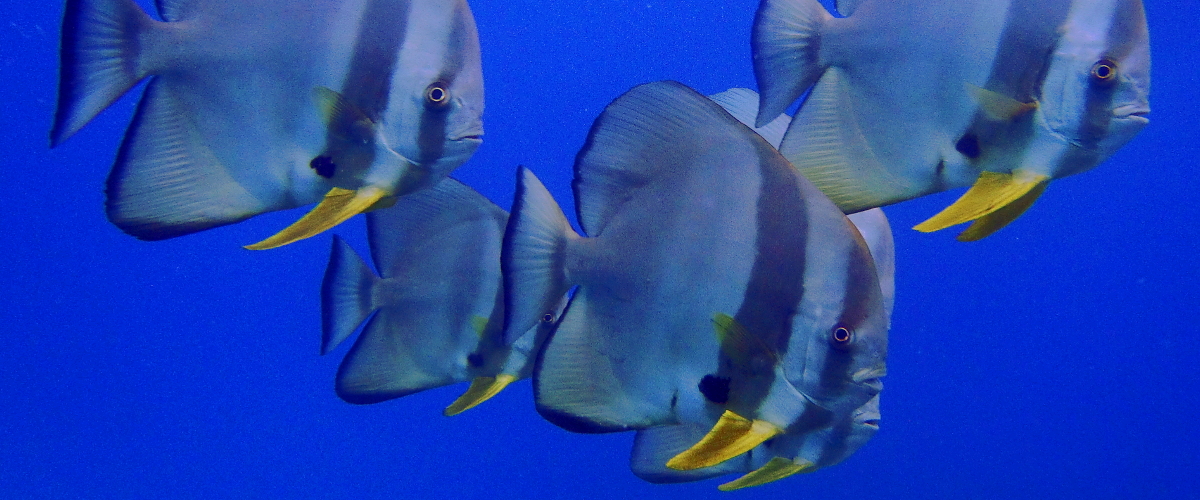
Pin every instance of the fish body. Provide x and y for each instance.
(694, 224)
(791, 452)
(257, 106)
(912, 97)
(432, 316)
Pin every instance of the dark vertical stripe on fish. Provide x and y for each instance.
(381, 33)
(776, 284)
(431, 136)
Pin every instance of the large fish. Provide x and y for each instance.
(911, 97)
(254, 106)
(432, 316)
(694, 222)
(788, 453)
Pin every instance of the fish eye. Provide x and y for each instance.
(547, 318)
(437, 95)
(842, 336)
(1104, 71)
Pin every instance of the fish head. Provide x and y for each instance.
(1096, 92)
(434, 116)
(843, 323)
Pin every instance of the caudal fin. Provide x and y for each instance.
(345, 295)
(532, 258)
(785, 46)
(98, 60)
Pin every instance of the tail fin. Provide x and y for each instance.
(345, 295)
(532, 259)
(98, 60)
(785, 44)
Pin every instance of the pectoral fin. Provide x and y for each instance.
(339, 204)
(778, 468)
(998, 106)
(482, 389)
(995, 200)
(730, 437)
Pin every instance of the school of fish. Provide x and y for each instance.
(729, 296)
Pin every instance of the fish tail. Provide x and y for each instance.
(532, 259)
(786, 49)
(99, 55)
(346, 298)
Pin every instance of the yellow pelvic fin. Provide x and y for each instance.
(730, 437)
(778, 468)
(482, 389)
(990, 223)
(998, 106)
(339, 204)
(991, 193)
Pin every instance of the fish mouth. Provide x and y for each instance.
(1135, 112)
(871, 423)
(869, 378)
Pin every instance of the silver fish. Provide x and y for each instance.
(911, 97)
(694, 222)
(432, 316)
(254, 106)
(789, 453)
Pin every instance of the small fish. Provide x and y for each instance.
(912, 97)
(254, 106)
(788, 453)
(693, 222)
(432, 316)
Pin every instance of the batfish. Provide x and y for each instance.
(432, 316)
(693, 223)
(253, 106)
(912, 97)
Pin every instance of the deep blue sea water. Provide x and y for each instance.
(1055, 359)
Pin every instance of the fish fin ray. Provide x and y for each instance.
(384, 364)
(449, 213)
(743, 105)
(825, 143)
(532, 257)
(786, 43)
(482, 389)
(166, 183)
(777, 468)
(100, 59)
(346, 295)
(991, 192)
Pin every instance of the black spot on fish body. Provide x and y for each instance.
(714, 388)
(968, 145)
(324, 166)
(475, 360)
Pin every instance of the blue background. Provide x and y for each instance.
(1055, 359)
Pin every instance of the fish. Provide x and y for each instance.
(432, 316)
(912, 97)
(692, 222)
(788, 453)
(254, 106)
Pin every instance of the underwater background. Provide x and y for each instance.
(1058, 358)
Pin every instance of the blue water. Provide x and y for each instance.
(1055, 359)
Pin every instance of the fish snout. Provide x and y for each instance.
(1137, 112)
(870, 378)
